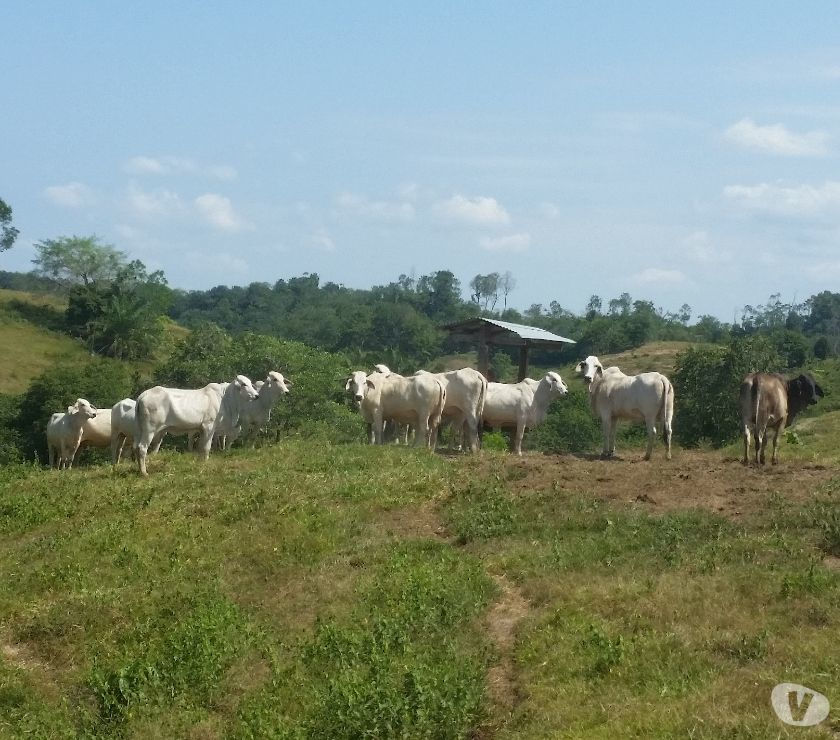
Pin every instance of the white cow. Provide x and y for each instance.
(64, 432)
(122, 427)
(392, 431)
(96, 432)
(523, 405)
(466, 391)
(256, 415)
(213, 409)
(647, 397)
(418, 400)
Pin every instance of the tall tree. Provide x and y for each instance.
(78, 260)
(8, 233)
(507, 283)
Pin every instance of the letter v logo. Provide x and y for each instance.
(798, 705)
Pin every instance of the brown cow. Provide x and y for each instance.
(770, 400)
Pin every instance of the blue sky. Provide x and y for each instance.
(679, 153)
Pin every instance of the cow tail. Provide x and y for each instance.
(479, 409)
(666, 409)
(755, 395)
(437, 412)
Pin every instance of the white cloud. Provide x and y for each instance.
(797, 200)
(378, 210)
(154, 204)
(218, 211)
(549, 210)
(824, 271)
(480, 210)
(510, 243)
(127, 232)
(321, 240)
(658, 275)
(700, 248)
(827, 72)
(71, 195)
(222, 262)
(776, 139)
(143, 165)
(222, 172)
(409, 191)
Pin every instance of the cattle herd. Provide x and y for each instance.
(398, 405)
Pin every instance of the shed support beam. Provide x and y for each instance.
(523, 362)
(484, 352)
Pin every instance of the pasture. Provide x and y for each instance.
(309, 590)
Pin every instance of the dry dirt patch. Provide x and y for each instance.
(692, 480)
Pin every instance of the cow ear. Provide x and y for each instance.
(288, 382)
(598, 369)
(369, 383)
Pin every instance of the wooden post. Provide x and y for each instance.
(484, 351)
(523, 362)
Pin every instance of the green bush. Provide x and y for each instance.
(103, 382)
(706, 383)
(568, 427)
(316, 401)
(12, 448)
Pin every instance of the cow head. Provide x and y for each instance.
(803, 391)
(590, 368)
(246, 389)
(276, 381)
(556, 384)
(83, 407)
(356, 385)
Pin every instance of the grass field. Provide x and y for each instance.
(303, 590)
(29, 348)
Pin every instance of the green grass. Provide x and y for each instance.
(308, 590)
(30, 348)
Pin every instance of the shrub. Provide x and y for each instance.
(568, 427)
(11, 441)
(103, 382)
(706, 383)
(316, 400)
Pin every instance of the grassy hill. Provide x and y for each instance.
(31, 340)
(303, 590)
(28, 347)
(659, 356)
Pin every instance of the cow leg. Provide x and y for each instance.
(470, 431)
(424, 432)
(370, 435)
(760, 445)
(378, 423)
(517, 441)
(605, 432)
(205, 441)
(779, 429)
(117, 441)
(651, 436)
(746, 460)
(51, 453)
(154, 446)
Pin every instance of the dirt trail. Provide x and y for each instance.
(502, 622)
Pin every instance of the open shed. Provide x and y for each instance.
(487, 332)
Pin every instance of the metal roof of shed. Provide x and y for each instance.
(504, 332)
